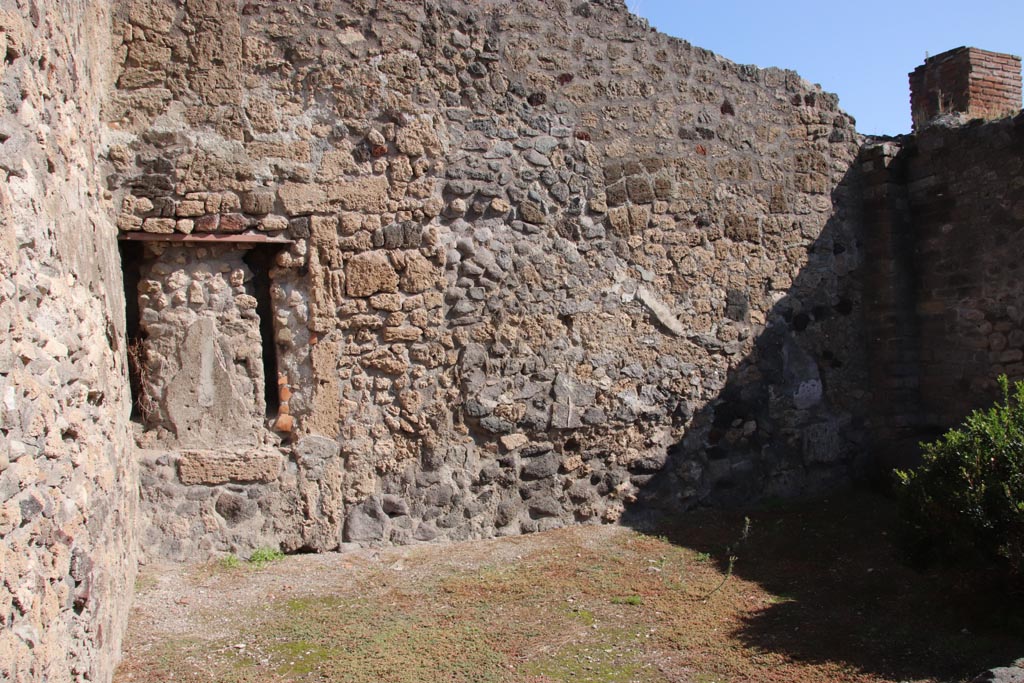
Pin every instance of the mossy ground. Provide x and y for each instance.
(817, 593)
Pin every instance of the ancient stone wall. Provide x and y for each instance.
(947, 301)
(68, 486)
(544, 264)
(406, 270)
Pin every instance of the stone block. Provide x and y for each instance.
(531, 212)
(394, 506)
(208, 223)
(233, 222)
(386, 302)
(302, 198)
(506, 513)
(365, 194)
(639, 190)
(160, 226)
(385, 361)
(258, 202)
(404, 333)
(544, 506)
(128, 222)
(218, 467)
(511, 442)
(540, 467)
(419, 274)
(365, 523)
(190, 208)
(273, 224)
(235, 508)
(316, 448)
(368, 273)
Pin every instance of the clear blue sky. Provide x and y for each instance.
(861, 50)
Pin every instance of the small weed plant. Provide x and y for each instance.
(264, 556)
(230, 562)
(634, 600)
(731, 554)
(259, 559)
(965, 502)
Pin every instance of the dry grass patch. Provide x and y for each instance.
(815, 594)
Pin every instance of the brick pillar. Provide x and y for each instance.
(966, 80)
(890, 296)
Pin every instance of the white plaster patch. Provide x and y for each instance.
(807, 395)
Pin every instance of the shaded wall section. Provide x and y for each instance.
(944, 212)
(67, 486)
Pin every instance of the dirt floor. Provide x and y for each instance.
(801, 593)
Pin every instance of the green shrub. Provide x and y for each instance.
(966, 500)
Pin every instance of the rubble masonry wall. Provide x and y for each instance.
(68, 483)
(545, 265)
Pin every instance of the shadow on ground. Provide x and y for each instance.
(846, 596)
